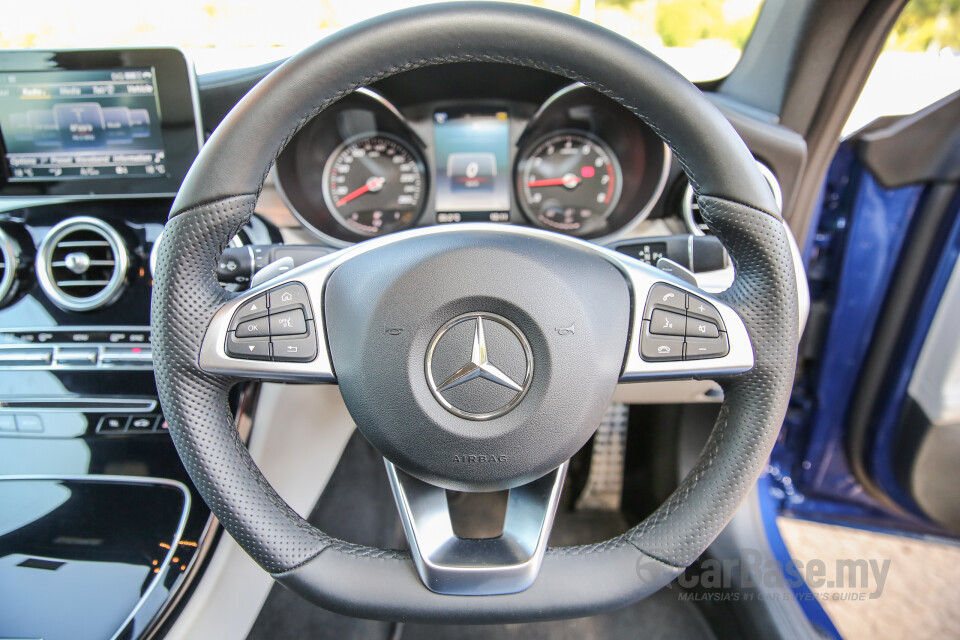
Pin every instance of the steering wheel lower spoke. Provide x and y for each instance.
(448, 564)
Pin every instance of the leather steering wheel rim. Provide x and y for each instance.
(219, 195)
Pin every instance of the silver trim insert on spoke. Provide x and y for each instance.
(313, 275)
(451, 565)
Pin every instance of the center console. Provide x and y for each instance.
(87, 548)
(98, 519)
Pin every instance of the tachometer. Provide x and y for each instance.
(374, 184)
(569, 182)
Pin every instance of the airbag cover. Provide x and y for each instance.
(394, 309)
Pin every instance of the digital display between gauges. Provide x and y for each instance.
(570, 181)
(472, 151)
(374, 184)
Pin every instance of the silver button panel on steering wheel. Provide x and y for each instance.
(681, 326)
(677, 331)
(277, 326)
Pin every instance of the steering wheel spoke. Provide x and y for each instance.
(680, 331)
(275, 330)
(448, 564)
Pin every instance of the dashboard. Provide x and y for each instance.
(527, 152)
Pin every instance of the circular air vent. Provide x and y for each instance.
(9, 261)
(691, 209)
(81, 264)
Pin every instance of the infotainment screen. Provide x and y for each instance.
(69, 125)
(473, 165)
(96, 122)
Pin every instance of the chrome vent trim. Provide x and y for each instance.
(691, 209)
(82, 263)
(9, 261)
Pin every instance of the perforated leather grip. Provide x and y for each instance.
(218, 197)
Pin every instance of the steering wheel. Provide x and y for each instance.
(474, 357)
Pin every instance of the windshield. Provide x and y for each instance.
(701, 38)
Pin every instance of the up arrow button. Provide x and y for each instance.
(252, 309)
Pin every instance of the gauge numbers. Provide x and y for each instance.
(374, 184)
(570, 182)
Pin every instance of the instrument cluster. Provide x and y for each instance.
(576, 162)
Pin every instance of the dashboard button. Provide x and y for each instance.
(288, 323)
(126, 356)
(667, 323)
(111, 424)
(249, 349)
(659, 348)
(25, 357)
(663, 296)
(289, 296)
(29, 424)
(141, 423)
(254, 328)
(75, 357)
(701, 348)
(7, 423)
(698, 328)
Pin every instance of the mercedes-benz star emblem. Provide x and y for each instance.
(509, 368)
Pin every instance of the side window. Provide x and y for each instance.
(919, 65)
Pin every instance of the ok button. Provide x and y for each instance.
(253, 328)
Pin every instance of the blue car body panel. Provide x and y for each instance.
(851, 258)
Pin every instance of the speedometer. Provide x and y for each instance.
(570, 182)
(374, 184)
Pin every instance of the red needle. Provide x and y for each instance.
(553, 182)
(373, 184)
